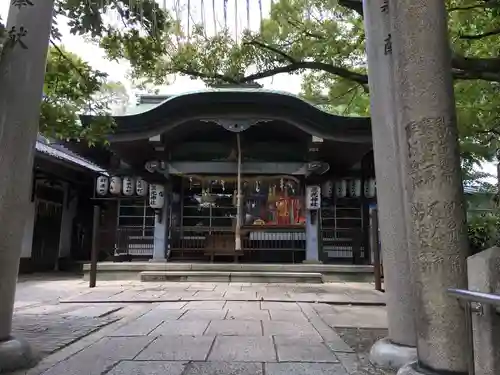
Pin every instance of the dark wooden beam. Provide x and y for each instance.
(255, 147)
(230, 168)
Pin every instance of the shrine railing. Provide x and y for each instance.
(134, 242)
(473, 302)
(342, 243)
(259, 243)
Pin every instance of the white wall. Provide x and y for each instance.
(28, 231)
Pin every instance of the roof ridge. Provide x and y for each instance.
(59, 151)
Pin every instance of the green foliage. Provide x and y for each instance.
(483, 231)
(320, 39)
(72, 88)
(139, 37)
(323, 40)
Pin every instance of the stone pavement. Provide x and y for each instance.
(226, 330)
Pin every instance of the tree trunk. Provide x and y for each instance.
(22, 70)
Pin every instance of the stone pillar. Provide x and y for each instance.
(312, 237)
(484, 277)
(160, 244)
(399, 347)
(313, 217)
(429, 148)
(22, 69)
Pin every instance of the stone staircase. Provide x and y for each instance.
(233, 276)
(231, 272)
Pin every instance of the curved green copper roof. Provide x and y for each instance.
(149, 102)
(237, 103)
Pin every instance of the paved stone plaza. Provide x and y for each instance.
(204, 328)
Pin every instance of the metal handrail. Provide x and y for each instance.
(479, 298)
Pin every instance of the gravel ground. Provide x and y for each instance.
(361, 340)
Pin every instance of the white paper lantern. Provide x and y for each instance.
(313, 197)
(141, 187)
(327, 189)
(115, 187)
(371, 188)
(102, 185)
(341, 188)
(366, 188)
(156, 196)
(128, 186)
(355, 188)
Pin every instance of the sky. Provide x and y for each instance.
(117, 71)
(237, 19)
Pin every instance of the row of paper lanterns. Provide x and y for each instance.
(130, 186)
(349, 187)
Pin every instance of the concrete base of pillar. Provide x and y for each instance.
(16, 354)
(388, 355)
(413, 368)
(312, 261)
(158, 260)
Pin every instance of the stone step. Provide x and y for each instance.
(234, 276)
(132, 270)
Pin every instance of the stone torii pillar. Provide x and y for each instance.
(22, 71)
(429, 147)
(399, 347)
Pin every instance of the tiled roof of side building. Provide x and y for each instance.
(473, 189)
(45, 146)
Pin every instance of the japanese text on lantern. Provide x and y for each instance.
(153, 196)
(313, 195)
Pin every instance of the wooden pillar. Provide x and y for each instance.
(94, 252)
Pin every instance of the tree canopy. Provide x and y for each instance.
(322, 40)
(72, 88)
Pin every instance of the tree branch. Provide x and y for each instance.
(480, 36)
(484, 76)
(485, 5)
(272, 49)
(63, 55)
(467, 68)
(362, 79)
(311, 65)
(301, 27)
(476, 65)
